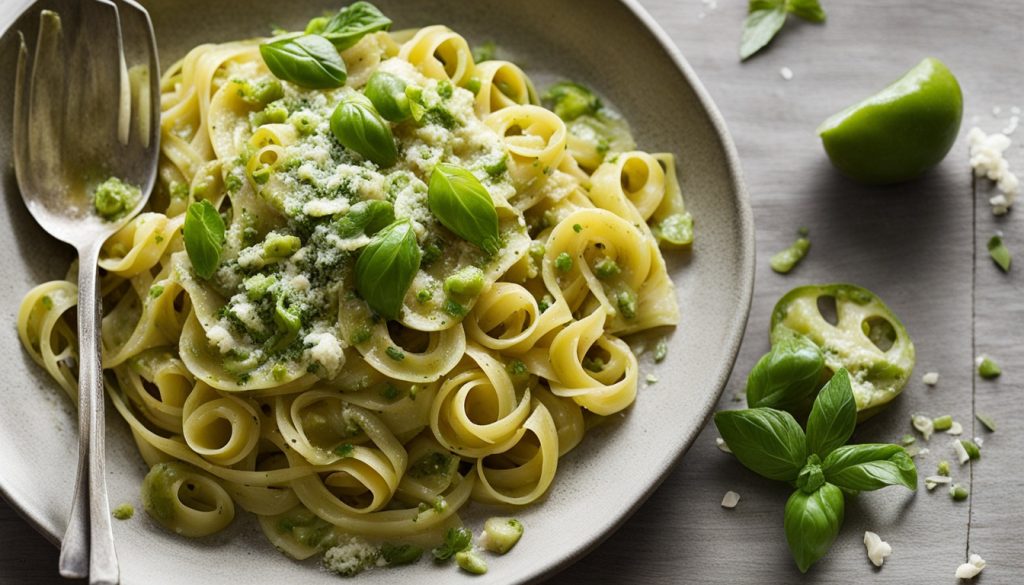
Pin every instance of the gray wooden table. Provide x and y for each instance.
(921, 246)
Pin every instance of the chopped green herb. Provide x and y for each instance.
(155, 291)
(660, 350)
(345, 450)
(766, 17)
(787, 259)
(517, 368)
(577, 228)
(999, 253)
(989, 369)
(595, 364)
(114, 198)
(433, 463)
(563, 262)
(361, 335)
(986, 420)
(455, 540)
(395, 353)
(424, 295)
(943, 468)
(571, 100)
(47, 302)
(453, 308)
(487, 51)
(124, 512)
(607, 268)
(400, 554)
(627, 303)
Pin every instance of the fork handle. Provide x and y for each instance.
(88, 545)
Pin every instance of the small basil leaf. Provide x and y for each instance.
(359, 127)
(386, 268)
(1000, 253)
(812, 522)
(760, 28)
(365, 217)
(387, 92)
(787, 377)
(463, 205)
(309, 61)
(354, 22)
(870, 467)
(806, 9)
(769, 442)
(204, 237)
(833, 416)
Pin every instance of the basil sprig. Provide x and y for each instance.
(386, 268)
(204, 237)
(766, 17)
(771, 443)
(351, 24)
(462, 204)
(309, 61)
(359, 127)
(787, 377)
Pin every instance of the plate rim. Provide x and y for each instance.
(735, 330)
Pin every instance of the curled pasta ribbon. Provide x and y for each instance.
(363, 58)
(186, 501)
(506, 318)
(598, 230)
(477, 412)
(567, 416)
(157, 383)
(442, 352)
(605, 392)
(142, 319)
(139, 245)
(439, 53)
(358, 479)
(534, 137)
(632, 187)
(440, 470)
(533, 464)
(223, 429)
(46, 335)
(502, 84)
(406, 415)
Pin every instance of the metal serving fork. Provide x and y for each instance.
(87, 107)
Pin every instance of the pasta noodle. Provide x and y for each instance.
(272, 385)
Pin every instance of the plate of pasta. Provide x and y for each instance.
(415, 283)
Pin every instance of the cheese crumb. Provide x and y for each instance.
(932, 481)
(221, 337)
(730, 499)
(987, 161)
(955, 429)
(351, 557)
(971, 568)
(721, 445)
(651, 378)
(786, 73)
(931, 378)
(878, 549)
(326, 351)
(961, 452)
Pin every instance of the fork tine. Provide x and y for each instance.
(47, 98)
(19, 126)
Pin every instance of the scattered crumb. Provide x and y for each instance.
(931, 378)
(878, 549)
(722, 446)
(971, 568)
(651, 378)
(786, 73)
(730, 499)
(997, 110)
(124, 512)
(987, 160)
(956, 429)
(1011, 126)
(932, 481)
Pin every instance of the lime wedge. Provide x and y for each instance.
(900, 132)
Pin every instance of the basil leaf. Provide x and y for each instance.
(365, 217)
(354, 22)
(309, 61)
(761, 26)
(812, 522)
(204, 237)
(463, 205)
(769, 442)
(787, 377)
(386, 267)
(806, 9)
(870, 467)
(833, 416)
(999, 253)
(387, 93)
(359, 127)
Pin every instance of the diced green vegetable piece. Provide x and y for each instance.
(661, 350)
(943, 468)
(278, 246)
(958, 492)
(787, 259)
(471, 562)
(943, 423)
(563, 262)
(999, 253)
(607, 268)
(986, 420)
(400, 554)
(988, 369)
(466, 283)
(501, 534)
(124, 512)
(973, 451)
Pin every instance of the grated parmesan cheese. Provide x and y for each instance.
(878, 549)
(786, 73)
(351, 557)
(931, 378)
(222, 338)
(730, 499)
(987, 160)
(325, 350)
(971, 568)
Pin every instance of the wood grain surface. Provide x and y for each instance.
(920, 246)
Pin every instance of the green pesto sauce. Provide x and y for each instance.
(114, 198)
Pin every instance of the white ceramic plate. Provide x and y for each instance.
(611, 45)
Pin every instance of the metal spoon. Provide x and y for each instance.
(87, 107)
